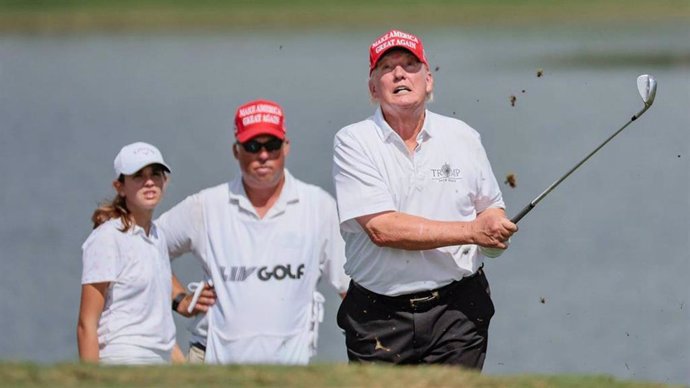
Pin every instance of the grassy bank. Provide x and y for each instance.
(106, 15)
(324, 375)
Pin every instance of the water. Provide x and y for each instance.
(595, 281)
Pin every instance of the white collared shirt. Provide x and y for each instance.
(446, 178)
(264, 271)
(136, 322)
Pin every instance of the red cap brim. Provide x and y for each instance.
(258, 130)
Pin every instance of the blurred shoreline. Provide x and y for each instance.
(65, 16)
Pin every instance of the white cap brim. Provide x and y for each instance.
(135, 156)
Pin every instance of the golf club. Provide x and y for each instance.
(646, 85)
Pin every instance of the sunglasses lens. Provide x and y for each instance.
(273, 145)
(251, 146)
(255, 147)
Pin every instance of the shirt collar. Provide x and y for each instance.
(385, 131)
(139, 231)
(288, 195)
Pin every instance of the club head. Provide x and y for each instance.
(646, 85)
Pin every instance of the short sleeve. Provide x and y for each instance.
(360, 188)
(101, 257)
(183, 225)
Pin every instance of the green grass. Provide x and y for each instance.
(79, 15)
(322, 375)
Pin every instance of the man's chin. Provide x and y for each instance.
(263, 180)
(263, 173)
(406, 102)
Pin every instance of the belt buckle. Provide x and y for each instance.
(414, 301)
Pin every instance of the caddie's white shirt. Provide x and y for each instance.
(264, 271)
(136, 323)
(447, 178)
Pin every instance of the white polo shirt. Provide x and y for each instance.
(136, 324)
(264, 271)
(447, 178)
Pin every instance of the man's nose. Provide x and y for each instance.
(399, 72)
(264, 154)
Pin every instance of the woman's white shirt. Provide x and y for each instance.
(136, 325)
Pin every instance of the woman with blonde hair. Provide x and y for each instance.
(125, 315)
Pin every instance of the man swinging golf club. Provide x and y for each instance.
(417, 199)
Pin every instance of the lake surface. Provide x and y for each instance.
(596, 281)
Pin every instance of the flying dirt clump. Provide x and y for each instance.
(511, 180)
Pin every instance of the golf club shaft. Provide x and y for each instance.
(541, 196)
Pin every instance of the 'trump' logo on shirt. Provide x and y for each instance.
(445, 173)
(279, 272)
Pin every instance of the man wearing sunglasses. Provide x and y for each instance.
(420, 209)
(264, 239)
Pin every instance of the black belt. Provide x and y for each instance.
(198, 345)
(417, 299)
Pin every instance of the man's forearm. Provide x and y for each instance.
(404, 231)
(177, 287)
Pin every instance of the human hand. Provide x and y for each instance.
(493, 252)
(202, 298)
(492, 229)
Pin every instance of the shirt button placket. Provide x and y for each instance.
(418, 174)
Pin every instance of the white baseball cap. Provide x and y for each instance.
(133, 157)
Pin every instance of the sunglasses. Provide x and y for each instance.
(254, 146)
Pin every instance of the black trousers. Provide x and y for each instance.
(445, 326)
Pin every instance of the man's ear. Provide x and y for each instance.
(429, 81)
(286, 147)
(235, 150)
(372, 89)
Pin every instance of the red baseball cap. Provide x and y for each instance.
(395, 39)
(259, 117)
